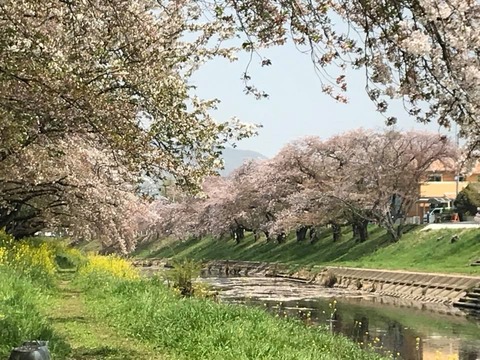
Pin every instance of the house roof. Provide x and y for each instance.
(448, 165)
(444, 165)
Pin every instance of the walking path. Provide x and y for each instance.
(88, 337)
(460, 225)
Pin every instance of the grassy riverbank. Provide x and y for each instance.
(27, 287)
(99, 308)
(192, 328)
(417, 250)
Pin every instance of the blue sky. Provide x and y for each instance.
(296, 106)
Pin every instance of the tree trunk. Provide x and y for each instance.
(267, 236)
(312, 235)
(360, 230)
(396, 232)
(239, 234)
(22, 222)
(281, 237)
(363, 231)
(301, 233)
(336, 232)
(25, 228)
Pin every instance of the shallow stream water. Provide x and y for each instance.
(407, 330)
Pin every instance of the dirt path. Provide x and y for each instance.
(88, 337)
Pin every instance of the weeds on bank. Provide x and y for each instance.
(194, 328)
(184, 328)
(182, 274)
(27, 278)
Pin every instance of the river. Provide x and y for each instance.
(407, 330)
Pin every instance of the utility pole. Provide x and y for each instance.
(457, 175)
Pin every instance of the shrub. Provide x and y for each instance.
(182, 274)
(66, 257)
(330, 279)
(468, 200)
(69, 258)
(25, 269)
(20, 318)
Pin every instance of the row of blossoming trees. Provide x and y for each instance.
(354, 178)
(95, 95)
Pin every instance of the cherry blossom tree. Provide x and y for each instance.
(83, 82)
(260, 194)
(361, 176)
(118, 69)
(422, 52)
(81, 190)
(354, 179)
(248, 200)
(240, 202)
(388, 168)
(220, 213)
(310, 204)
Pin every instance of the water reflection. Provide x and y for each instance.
(405, 333)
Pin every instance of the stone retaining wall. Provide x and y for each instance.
(425, 287)
(416, 286)
(243, 268)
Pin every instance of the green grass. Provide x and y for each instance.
(189, 328)
(428, 251)
(23, 304)
(417, 250)
(87, 335)
(93, 315)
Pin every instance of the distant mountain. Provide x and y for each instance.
(234, 158)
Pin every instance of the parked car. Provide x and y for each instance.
(435, 215)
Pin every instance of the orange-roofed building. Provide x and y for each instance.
(441, 187)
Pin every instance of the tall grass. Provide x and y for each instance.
(191, 328)
(27, 278)
(21, 315)
(181, 328)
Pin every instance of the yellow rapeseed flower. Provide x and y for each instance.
(3, 255)
(25, 257)
(112, 265)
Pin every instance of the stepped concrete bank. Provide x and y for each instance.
(416, 286)
(429, 287)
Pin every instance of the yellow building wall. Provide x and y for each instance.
(441, 188)
(448, 177)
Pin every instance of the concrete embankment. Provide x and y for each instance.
(416, 286)
(429, 287)
(223, 268)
